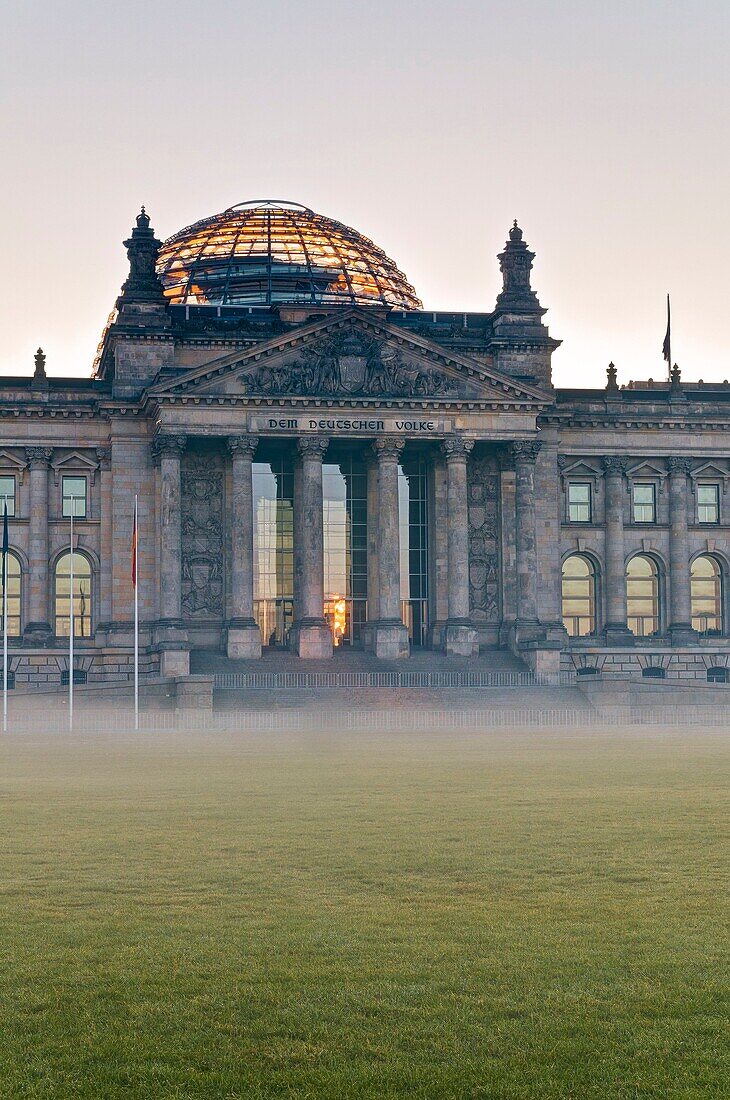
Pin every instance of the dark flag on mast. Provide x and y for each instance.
(5, 549)
(667, 345)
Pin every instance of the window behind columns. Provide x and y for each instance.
(344, 492)
(642, 596)
(413, 522)
(273, 547)
(15, 578)
(81, 595)
(579, 596)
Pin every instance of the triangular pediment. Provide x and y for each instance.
(646, 468)
(579, 468)
(354, 357)
(710, 469)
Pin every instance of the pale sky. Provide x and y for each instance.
(428, 126)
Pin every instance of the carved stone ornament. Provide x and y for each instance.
(483, 500)
(313, 446)
(454, 447)
(524, 450)
(349, 363)
(388, 447)
(614, 465)
(202, 533)
(677, 465)
(168, 446)
(103, 457)
(38, 457)
(243, 445)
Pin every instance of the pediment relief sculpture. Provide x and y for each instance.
(353, 364)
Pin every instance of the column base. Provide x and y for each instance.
(37, 634)
(683, 634)
(618, 634)
(174, 662)
(437, 635)
(460, 640)
(390, 640)
(243, 639)
(311, 639)
(171, 640)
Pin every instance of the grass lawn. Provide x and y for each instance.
(535, 915)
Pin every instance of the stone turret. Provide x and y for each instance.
(138, 343)
(520, 342)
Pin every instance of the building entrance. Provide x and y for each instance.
(344, 491)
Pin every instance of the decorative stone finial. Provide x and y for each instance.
(611, 373)
(40, 365)
(675, 377)
(516, 263)
(142, 249)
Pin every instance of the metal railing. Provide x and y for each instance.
(278, 681)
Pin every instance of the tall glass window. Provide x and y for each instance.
(708, 503)
(644, 503)
(579, 596)
(7, 494)
(344, 491)
(706, 594)
(642, 596)
(273, 548)
(81, 596)
(413, 522)
(14, 592)
(73, 493)
(579, 502)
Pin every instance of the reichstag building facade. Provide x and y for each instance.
(321, 463)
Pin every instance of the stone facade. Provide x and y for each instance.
(523, 482)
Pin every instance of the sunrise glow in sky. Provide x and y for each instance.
(427, 126)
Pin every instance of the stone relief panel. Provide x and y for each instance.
(203, 529)
(483, 493)
(351, 364)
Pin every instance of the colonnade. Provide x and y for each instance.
(386, 633)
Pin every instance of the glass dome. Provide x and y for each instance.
(268, 252)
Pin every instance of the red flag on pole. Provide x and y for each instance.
(134, 548)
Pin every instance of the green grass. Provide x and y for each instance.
(435, 916)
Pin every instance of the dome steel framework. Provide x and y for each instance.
(268, 252)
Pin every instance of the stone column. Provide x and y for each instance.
(460, 635)
(170, 635)
(524, 453)
(680, 608)
(368, 636)
(244, 636)
(38, 630)
(390, 636)
(311, 636)
(617, 632)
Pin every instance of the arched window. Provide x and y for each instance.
(15, 580)
(642, 596)
(579, 596)
(706, 592)
(81, 595)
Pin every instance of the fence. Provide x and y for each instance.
(281, 681)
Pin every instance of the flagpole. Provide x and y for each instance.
(71, 626)
(5, 626)
(136, 623)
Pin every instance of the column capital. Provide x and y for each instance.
(243, 445)
(103, 457)
(677, 465)
(522, 451)
(614, 465)
(388, 446)
(312, 446)
(168, 446)
(455, 448)
(38, 458)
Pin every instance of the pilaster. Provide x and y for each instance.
(616, 629)
(390, 636)
(460, 637)
(311, 635)
(170, 635)
(243, 634)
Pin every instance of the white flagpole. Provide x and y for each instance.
(71, 626)
(136, 616)
(5, 642)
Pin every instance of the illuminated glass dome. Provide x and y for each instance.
(267, 252)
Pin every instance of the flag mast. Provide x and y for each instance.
(5, 616)
(136, 618)
(71, 624)
(667, 345)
